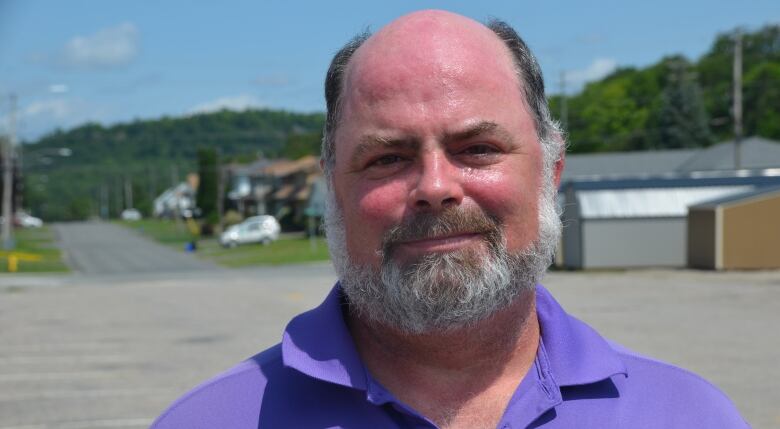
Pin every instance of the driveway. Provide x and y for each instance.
(100, 248)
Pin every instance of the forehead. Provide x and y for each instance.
(425, 57)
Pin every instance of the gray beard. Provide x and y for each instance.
(442, 291)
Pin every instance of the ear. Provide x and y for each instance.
(558, 168)
(561, 162)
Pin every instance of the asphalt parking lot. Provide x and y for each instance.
(113, 351)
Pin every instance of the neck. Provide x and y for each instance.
(445, 371)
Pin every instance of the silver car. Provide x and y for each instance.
(256, 229)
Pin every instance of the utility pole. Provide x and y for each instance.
(564, 101)
(220, 193)
(737, 107)
(8, 177)
(128, 193)
(104, 201)
(176, 196)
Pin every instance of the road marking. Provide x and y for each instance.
(295, 296)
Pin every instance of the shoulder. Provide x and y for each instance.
(231, 399)
(674, 393)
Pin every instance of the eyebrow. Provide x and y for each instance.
(372, 142)
(481, 128)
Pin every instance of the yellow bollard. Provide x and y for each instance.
(13, 263)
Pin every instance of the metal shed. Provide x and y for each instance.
(638, 222)
(738, 232)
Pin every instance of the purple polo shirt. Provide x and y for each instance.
(315, 379)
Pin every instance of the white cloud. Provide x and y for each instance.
(43, 115)
(58, 88)
(238, 102)
(57, 108)
(110, 47)
(597, 69)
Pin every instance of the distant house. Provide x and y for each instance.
(631, 209)
(177, 201)
(281, 188)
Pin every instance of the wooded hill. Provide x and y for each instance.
(150, 156)
(678, 103)
(673, 103)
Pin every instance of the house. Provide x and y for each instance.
(178, 200)
(281, 188)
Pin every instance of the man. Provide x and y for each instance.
(443, 163)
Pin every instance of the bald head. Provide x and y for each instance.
(426, 52)
(432, 49)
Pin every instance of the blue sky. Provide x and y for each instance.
(74, 61)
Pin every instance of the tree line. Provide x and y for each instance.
(674, 103)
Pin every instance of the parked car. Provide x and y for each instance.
(27, 221)
(131, 214)
(256, 229)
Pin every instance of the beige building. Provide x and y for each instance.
(737, 232)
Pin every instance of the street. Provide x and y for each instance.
(104, 248)
(113, 350)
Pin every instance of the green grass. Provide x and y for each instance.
(280, 252)
(40, 242)
(164, 231)
(292, 250)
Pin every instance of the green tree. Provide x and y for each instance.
(762, 101)
(299, 145)
(761, 51)
(208, 172)
(681, 120)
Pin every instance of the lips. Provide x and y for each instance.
(442, 243)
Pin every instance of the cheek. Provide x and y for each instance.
(370, 212)
(514, 199)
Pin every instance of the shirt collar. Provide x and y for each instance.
(577, 354)
(318, 343)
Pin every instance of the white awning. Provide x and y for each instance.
(649, 202)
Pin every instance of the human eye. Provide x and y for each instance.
(385, 160)
(385, 165)
(480, 150)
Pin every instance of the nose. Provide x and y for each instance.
(438, 184)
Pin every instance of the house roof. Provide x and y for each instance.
(757, 153)
(624, 164)
(284, 192)
(649, 202)
(725, 179)
(285, 167)
(759, 193)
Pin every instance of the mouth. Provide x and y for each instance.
(448, 243)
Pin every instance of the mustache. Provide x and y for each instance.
(451, 221)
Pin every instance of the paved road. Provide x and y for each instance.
(95, 248)
(113, 351)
